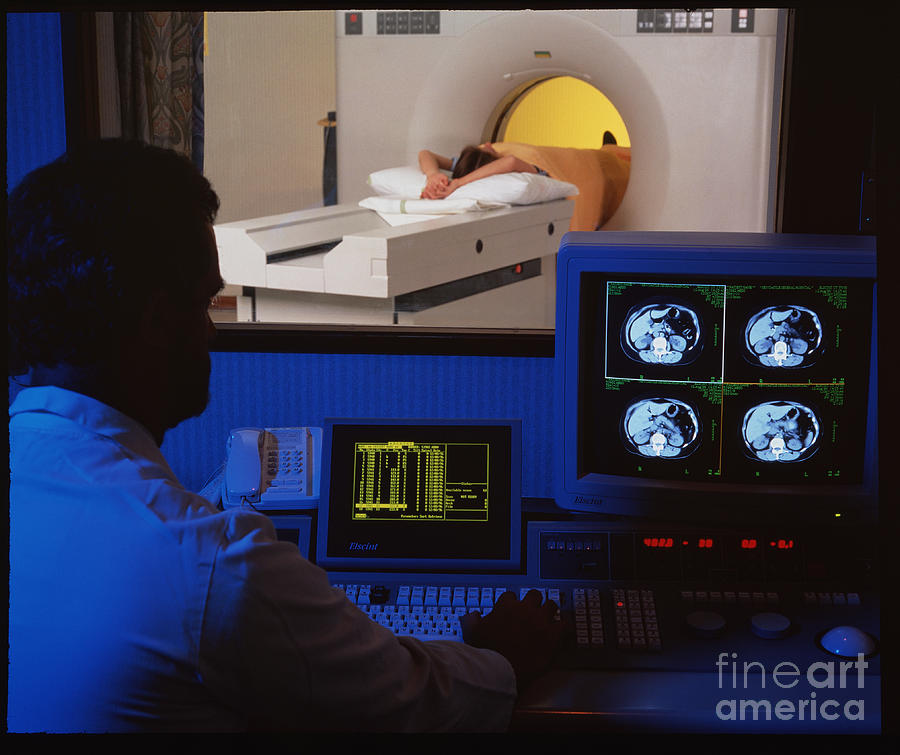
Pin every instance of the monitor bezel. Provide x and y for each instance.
(693, 253)
(342, 562)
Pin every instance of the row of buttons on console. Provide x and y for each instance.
(440, 596)
(637, 627)
(636, 623)
(831, 598)
(771, 598)
(729, 596)
(588, 617)
(574, 545)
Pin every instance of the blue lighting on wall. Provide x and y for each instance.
(35, 105)
(277, 390)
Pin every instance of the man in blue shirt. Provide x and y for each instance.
(135, 605)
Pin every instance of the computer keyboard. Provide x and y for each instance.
(430, 612)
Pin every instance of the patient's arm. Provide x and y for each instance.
(505, 164)
(431, 162)
(431, 165)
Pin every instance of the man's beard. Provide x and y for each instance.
(191, 389)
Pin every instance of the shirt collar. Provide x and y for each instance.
(91, 414)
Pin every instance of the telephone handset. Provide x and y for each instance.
(273, 467)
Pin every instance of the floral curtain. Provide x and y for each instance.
(159, 57)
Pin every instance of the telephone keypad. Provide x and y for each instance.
(284, 460)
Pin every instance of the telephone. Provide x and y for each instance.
(273, 467)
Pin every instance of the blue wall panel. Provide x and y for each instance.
(303, 389)
(35, 107)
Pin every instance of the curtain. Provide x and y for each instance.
(329, 164)
(159, 58)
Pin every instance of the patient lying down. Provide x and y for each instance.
(601, 175)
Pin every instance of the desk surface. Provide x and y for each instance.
(678, 702)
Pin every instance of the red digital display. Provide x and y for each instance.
(658, 542)
(748, 543)
(705, 542)
(782, 545)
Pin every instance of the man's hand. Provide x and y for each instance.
(525, 632)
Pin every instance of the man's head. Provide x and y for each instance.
(111, 255)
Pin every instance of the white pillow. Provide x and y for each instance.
(401, 182)
(516, 188)
(510, 188)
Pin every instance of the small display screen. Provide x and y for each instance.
(416, 495)
(724, 379)
(432, 481)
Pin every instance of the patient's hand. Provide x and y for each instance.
(441, 192)
(434, 186)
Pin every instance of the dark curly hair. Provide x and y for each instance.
(90, 237)
(471, 158)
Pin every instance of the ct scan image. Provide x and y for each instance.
(785, 336)
(660, 333)
(781, 431)
(662, 428)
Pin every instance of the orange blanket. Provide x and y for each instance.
(601, 176)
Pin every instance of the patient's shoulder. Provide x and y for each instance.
(623, 153)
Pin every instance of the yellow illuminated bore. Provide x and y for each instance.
(564, 112)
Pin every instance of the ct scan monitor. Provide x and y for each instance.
(421, 495)
(710, 376)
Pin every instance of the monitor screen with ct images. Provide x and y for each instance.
(709, 376)
(421, 494)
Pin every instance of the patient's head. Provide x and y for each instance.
(471, 158)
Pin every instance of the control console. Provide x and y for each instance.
(687, 629)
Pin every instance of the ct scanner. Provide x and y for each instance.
(701, 106)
